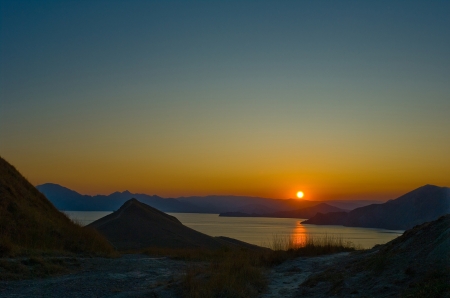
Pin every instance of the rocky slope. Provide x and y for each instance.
(416, 264)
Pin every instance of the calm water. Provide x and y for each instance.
(260, 230)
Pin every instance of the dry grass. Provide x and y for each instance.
(241, 272)
(309, 245)
(32, 232)
(30, 224)
(234, 273)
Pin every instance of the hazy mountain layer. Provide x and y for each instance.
(66, 199)
(423, 204)
(306, 212)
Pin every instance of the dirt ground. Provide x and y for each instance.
(285, 278)
(144, 276)
(127, 276)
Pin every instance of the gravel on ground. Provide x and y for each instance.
(127, 276)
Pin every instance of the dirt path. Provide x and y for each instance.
(144, 276)
(285, 278)
(127, 276)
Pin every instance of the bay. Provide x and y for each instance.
(262, 230)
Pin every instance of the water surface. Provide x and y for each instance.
(261, 230)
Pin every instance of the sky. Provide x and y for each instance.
(339, 99)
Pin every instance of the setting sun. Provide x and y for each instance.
(300, 194)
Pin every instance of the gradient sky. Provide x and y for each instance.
(340, 99)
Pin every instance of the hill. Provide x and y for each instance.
(306, 212)
(423, 204)
(136, 226)
(29, 222)
(416, 264)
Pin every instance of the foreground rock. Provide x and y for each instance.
(416, 264)
(424, 204)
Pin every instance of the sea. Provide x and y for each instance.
(262, 230)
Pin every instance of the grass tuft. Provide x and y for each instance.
(234, 274)
(310, 245)
(241, 272)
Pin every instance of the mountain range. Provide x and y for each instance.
(306, 212)
(69, 200)
(423, 204)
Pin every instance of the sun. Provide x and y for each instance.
(300, 194)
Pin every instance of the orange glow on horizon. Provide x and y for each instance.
(183, 178)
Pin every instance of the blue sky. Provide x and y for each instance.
(244, 97)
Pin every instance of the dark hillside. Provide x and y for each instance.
(416, 264)
(136, 226)
(29, 222)
(423, 204)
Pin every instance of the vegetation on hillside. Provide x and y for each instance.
(30, 224)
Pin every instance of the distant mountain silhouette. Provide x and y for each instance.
(423, 204)
(306, 212)
(245, 204)
(255, 208)
(219, 204)
(28, 221)
(136, 226)
(66, 199)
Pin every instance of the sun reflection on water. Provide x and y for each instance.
(299, 235)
